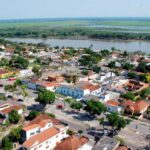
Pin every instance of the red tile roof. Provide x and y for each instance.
(41, 137)
(122, 148)
(8, 110)
(50, 84)
(72, 143)
(136, 106)
(112, 103)
(41, 119)
(139, 106)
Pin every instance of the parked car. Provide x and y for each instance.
(11, 79)
(60, 107)
(20, 100)
(9, 96)
(1, 85)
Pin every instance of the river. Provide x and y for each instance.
(97, 44)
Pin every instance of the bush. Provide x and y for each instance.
(32, 114)
(7, 144)
(70, 132)
(51, 115)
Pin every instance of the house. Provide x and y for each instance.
(90, 76)
(25, 73)
(79, 90)
(43, 132)
(31, 84)
(55, 78)
(106, 143)
(113, 106)
(138, 107)
(106, 96)
(74, 142)
(6, 73)
(6, 107)
(105, 76)
(50, 86)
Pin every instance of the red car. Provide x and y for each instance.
(11, 79)
(59, 106)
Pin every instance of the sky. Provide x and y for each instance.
(21, 9)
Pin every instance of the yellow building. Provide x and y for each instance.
(6, 73)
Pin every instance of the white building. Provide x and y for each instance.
(79, 90)
(104, 76)
(25, 73)
(43, 133)
(108, 95)
(113, 106)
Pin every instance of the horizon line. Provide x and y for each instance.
(60, 18)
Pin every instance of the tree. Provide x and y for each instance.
(19, 62)
(33, 114)
(70, 132)
(132, 75)
(97, 69)
(129, 95)
(145, 93)
(7, 144)
(80, 132)
(7, 88)
(128, 66)
(116, 121)
(15, 134)
(36, 70)
(76, 105)
(145, 78)
(14, 117)
(112, 64)
(95, 108)
(46, 97)
(143, 67)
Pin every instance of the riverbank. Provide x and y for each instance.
(132, 46)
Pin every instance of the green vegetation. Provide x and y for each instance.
(70, 132)
(89, 58)
(129, 95)
(144, 93)
(116, 121)
(95, 108)
(33, 114)
(46, 97)
(14, 117)
(125, 29)
(51, 115)
(76, 105)
(15, 134)
(19, 62)
(7, 144)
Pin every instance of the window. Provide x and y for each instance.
(40, 146)
(32, 133)
(47, 147)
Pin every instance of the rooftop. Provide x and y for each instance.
(72, 143)
(106, 143)
(41, 137)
